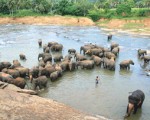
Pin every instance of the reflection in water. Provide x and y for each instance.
(77, 88)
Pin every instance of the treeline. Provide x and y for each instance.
(94, 9)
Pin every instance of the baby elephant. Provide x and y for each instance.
(135, 100)
(40, 82)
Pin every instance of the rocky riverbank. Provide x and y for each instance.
(19, 104)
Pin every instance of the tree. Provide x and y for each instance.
(123, 10)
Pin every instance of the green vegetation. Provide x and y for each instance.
(95, 9)
(133, 25)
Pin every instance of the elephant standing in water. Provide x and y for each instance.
(135, 101)
(141, 52)
(109, 37)
(22, 57)
(125, 64)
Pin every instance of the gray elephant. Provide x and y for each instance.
(40, 82)
(109, 37)
(85, 48)
(16, 63)
(109, 63)
(33, 72)
(19, 82)
(146, 58)
(41, 63)
(24, 72)
(13, 72)
(94, 51)
(4, 77)
(125, 64)
(40, 42)
(64, 65)
(22, 56)
(79, 57)
(46, 49)
(97, 60)
(113, 45)
(72, 65)
(56, 47)
(72, 50)
(109, 55)
(52, 43)
(5, 65)
(57, 57)
(87, 64)
(135, 101)
(45, 56)
(54, 75)
(141, 52)
(115, 51)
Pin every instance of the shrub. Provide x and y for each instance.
(123, 10)
(94, 15)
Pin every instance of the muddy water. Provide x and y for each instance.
(77, 89)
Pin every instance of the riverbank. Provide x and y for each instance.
(18, 104)
(137, 27)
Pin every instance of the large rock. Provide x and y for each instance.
(20, 106)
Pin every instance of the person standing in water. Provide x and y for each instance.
(97, 80)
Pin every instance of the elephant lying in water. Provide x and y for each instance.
(136, 100)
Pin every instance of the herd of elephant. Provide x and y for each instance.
(52, 64)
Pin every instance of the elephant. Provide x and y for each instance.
(97, 60)
(4, 77)
(45, 56)
(141, 52)
(94, 51)
(135, 101)
(146, 58)
(41, 63)
(5, 65)
(40, 42)
(13, 72)
(46, 49)
(72, 50)
(109, 55)
(54, 75)
(56, 47)
(57, 57)
(115, 51)
(85, 48)
(64, 65)
(34, 72)
(88, 64)
(125, 64)
(22, 57)
(40, 82)
(72, 65)
(16, 63)
(109, 37)
(113, 45)
(67, 58)
(79, 57)
(19, 82)
(109, 63)
(24, 72)
(52, 43)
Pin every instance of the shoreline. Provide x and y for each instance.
(113, 26)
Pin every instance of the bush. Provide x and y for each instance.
(123, 10)
(94, 15)
(22, 13)
(143, 12)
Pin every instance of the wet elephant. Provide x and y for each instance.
(5, 65)
(97, 60)
(113, 45)
(72, 65)
(141, 52)
(64, 65)
(85, 48)
(40, 42)
(16, 63)
(57, 57)
(115, 51)
(109, 37)
(109, 55)
(94, 51)
(13, 72)
(146, 58)
(22, 56)
(109, 63)
(34, 72)
(45, 56)
(40, 82)
(79, 57)
(19, 82)
(125, 64)
(24, 72)
(87, 64)
(56, 47)
(54, 75)
(135, 101)
(72, 50)
(4, 77)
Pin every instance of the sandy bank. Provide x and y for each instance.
(57, 20)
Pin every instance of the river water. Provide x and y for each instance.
(77, 89)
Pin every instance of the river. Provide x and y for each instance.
(77, 89)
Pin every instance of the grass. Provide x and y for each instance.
(133, 26)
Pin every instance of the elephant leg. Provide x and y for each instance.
(135, 108)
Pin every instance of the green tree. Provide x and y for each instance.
(123, 10)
